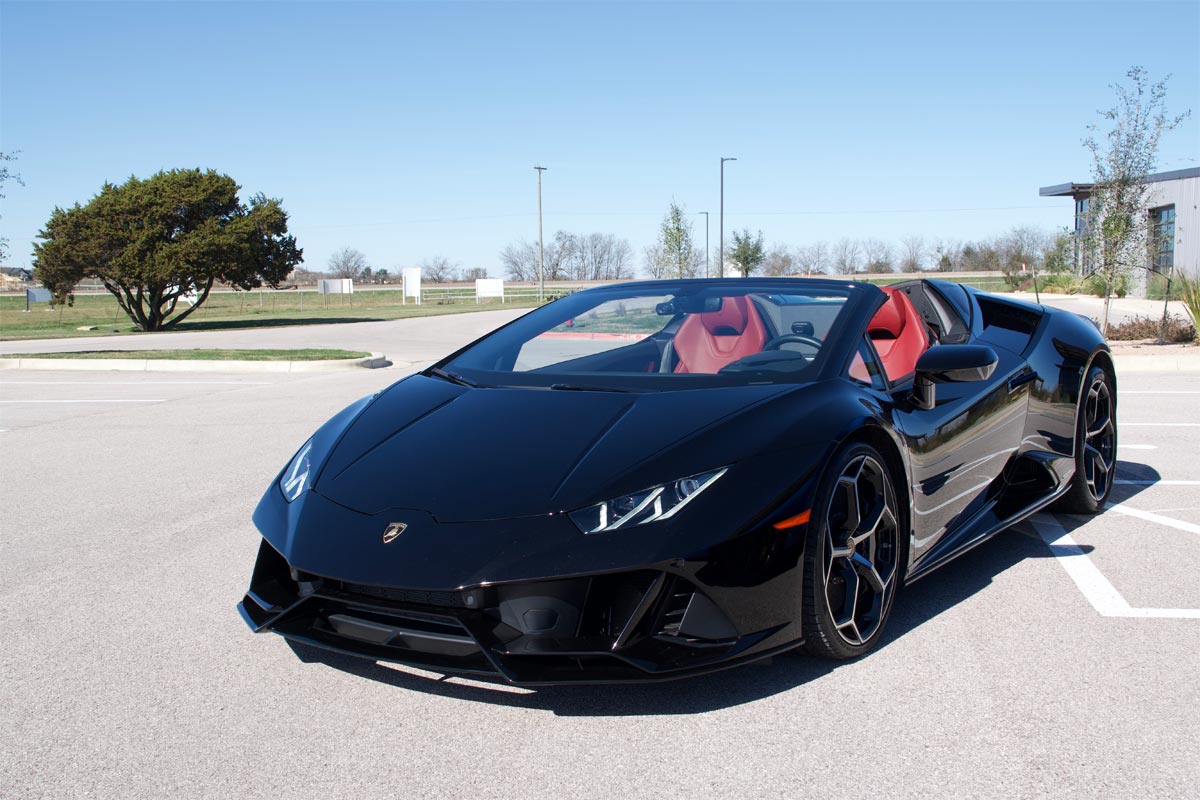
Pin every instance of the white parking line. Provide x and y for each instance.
(1159, 424)
(1144, 391)
(135, 383)
(1157, 483)
(85, 402)
(1096, 588)
(1138, 446)
(1149, 516)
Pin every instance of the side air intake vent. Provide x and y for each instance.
(690, 616)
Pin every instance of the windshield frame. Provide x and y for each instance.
(860, 300)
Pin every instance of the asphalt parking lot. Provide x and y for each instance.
(1060, 658)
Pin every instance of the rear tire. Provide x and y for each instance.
(1095, 446)
(852, 556)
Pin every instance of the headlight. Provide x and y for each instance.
(295, 477)
(640, 508)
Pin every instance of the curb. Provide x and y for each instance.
(373, 361)
(1127, 363)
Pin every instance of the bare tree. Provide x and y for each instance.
(780, 261)
(813, 258)
(439, 269)
(520, 260)
(913, 258)
(877, 255)
(347, 263)
(5, 177)
(1021, 251)
(1116, 235)
(474, 273)
(600, 257)
(846, 256)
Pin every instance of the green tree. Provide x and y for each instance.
(152, 242)
(1060, 252)
(1115, 234)
(747, 253)
(674, 255)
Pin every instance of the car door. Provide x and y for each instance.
(959, 448)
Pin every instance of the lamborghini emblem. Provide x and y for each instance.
(393, 531)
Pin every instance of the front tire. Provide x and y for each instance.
(852, 556)
(1095, 446)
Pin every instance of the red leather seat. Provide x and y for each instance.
(898, 334)
(707, 341)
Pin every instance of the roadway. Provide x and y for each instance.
(1036, 665)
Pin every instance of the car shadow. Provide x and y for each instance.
(1121, 492)
(915, 605)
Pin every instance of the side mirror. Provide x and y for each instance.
(953, 363)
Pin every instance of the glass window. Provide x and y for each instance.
(865, 369)
(1083, 257)
(1162, 238)
(608, 326)
(665, 335)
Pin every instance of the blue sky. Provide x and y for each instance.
(410, 130)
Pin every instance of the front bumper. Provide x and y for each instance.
(647, 624)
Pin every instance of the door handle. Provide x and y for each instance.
(1016, 382)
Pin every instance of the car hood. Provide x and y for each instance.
(467, 454)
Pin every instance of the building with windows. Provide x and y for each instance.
(1172, 219)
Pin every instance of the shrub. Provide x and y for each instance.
(1059, 283)
(1094, 285)
(1178, 329)
(1189, 292)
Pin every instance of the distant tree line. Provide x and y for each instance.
(348, 262)
(570, 257)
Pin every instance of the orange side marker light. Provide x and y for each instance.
(792, 522)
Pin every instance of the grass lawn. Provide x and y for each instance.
(230, 310)
(227, 310)
(310, 354)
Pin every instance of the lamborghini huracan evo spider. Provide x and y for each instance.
(664, 478)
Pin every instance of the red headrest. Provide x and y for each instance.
(730, 320)
(890, 317)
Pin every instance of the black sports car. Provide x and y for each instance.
(664, 478)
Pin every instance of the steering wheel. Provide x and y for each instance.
(793, 338)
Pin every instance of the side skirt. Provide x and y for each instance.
(927, 567)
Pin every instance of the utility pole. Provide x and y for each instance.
(705, 213)
(721, 245)
(541, 264)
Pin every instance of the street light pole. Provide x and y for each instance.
(721, 244)
(541, 264)
(705, 213)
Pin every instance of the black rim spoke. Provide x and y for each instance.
(861, 546)
(1099, 439)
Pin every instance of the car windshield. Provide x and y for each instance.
(657, 336)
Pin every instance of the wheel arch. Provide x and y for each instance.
(877, 436)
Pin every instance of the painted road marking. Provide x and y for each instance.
(1157, 483)
(1158, 424)
(1096, 588)
(85, 402)
(1144, 391)
(136, 383)
(1138, 446)
(1150, 516)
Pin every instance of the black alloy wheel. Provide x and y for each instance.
(1095, 446)
(852, 558)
